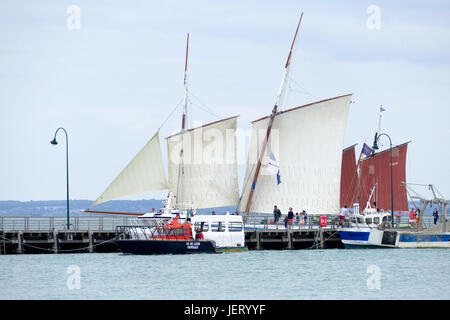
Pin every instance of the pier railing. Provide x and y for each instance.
(401, 221)
(299, 222)
(78, 223)
(109, 223)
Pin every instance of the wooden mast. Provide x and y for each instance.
(269, 128)
(183, 123)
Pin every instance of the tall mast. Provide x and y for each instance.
(185, 107)
(272, 117)
(183, 125)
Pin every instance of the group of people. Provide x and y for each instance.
(414, 217)
(289, 219)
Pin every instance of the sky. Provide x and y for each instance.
(113, 76)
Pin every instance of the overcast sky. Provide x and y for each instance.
(114, 79)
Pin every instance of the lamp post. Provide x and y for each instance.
(54, 142)
(375, 146)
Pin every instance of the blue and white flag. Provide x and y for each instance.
(382, 109)
(366, 150)
(278, 177)
(274, 167)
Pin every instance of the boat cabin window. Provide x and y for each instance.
(352, 219)
(155, 222)
(376, 220)
(369, 220)
(218, 226)
(201, 226)
(167, 232)
(235, 226)
(359, 220)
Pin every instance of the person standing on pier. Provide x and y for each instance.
(301, 220)
(342, 215)
(417, 216)
(412, 218)
(435, 215)
(304, 216)
(290, 217)
(276, 215)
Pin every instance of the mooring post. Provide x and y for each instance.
(289, 239)
(19, 242)
(258, 240)
(55, 241)
(321, 238)
(3, 247)
(91, 241)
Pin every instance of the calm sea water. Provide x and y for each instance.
(301, 274)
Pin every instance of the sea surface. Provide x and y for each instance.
(256, 275)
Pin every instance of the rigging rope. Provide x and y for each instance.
(202, 105)
(170, 115)
(298, 85)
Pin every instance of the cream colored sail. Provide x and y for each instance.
(143, 174)
(306, 143)
(207, 176)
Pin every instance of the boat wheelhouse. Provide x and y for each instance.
(203, 234)
(226, 230)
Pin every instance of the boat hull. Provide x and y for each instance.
(424, 240)
(159, 246)
(374, 238)
(367, 238)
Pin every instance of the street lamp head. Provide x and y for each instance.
(54, 142)
(375, 146)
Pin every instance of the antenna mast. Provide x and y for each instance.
(378, 129)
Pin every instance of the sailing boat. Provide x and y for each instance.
(369, 182)
(373, 227)
(202, 170)
(358, 179)
(306, 142)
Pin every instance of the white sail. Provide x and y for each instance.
(207, 177)
(307, 145)
(143, 174)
